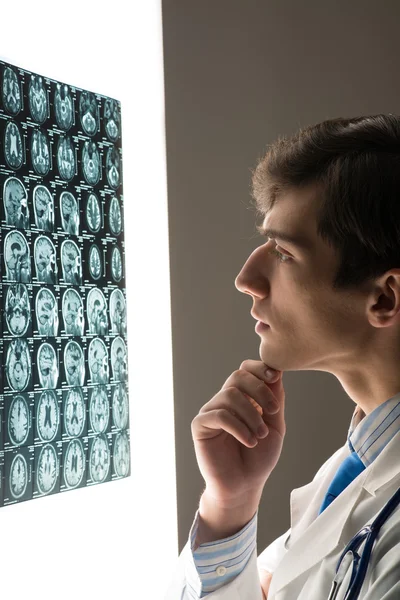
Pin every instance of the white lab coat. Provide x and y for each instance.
(303, 560)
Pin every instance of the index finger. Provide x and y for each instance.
(255, 404)
(259, 368)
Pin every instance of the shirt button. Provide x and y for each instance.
(221, 571)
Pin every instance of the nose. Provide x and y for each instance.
(252, 278)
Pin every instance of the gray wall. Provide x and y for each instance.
(237, 75)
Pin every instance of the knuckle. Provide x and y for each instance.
(239, 376)
(264, 388)
(222, 414)
(232, 391)
(236, 374)
(245, 363)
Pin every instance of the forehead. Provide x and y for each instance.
(294, 214)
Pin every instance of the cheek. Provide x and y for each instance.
(308, 309)
(333, 317)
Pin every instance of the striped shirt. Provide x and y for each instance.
(217, 563)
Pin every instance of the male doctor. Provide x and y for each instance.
(315, 321)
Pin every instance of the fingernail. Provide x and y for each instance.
(269, 374)
(272, 407)
(262, 431)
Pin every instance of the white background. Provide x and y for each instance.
(118, 539)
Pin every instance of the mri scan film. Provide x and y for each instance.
(64, 398)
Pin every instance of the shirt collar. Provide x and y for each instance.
(369, 434)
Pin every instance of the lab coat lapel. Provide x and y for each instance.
(307, 545)
(315, 536)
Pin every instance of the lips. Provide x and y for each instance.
(258, 318)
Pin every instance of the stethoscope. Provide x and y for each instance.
(360, 563)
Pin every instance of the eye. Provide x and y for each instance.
(283, 258)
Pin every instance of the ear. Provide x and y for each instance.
(384, 304)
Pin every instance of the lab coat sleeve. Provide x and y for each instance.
(190, 582)
(217, 563)
(199, 572)
(221, 570)
(270, 558)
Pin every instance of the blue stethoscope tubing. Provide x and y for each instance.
(360, 563)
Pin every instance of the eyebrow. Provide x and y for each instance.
(294, 240)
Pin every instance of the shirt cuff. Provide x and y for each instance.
(214, 564)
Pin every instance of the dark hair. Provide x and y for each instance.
(355, 166)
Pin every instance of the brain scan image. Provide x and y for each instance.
(47, 416)
(95, 269)
(46, 312)
(111, 119)
(43, 205)
(69, 213)
(72, 310)
(40, 152)
(74, 463)
(96, 310)
(66, 160)
(11, 92)
(121, 454)
(13, 146)
(18, 421)
(93, 213)
(18, 365)
(74, 363)
(119, 360)
(91, 163)
(99, 409)
(120, 407)
(37, 99)
(74, 413)
(17, 309)
(47, 364)
(116, 264)
(47, 469)
(15, 200)
(71, 262)
(18, 478)
(63, 105)
(64, 398)
(118, 312)
(99, 459)
(115, 217)
(45, 260)
(89, 112)
(17, 257)
(113, 167)
(98, 361)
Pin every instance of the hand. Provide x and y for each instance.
(234, 468)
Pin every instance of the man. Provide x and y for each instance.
(327, 284)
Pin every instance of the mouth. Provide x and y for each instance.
(260, 326)
(258, 319)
